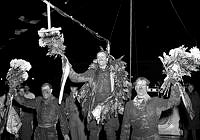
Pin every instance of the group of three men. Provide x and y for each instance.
(142, 113)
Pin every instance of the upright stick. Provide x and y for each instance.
(49, 15)
(131, 39)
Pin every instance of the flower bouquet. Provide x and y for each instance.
(53, 39)
(17, 74)
(177, 64)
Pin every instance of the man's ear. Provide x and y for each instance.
(135, 88)
(51, 90)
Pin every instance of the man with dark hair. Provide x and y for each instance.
(48, 114)
(143, 112)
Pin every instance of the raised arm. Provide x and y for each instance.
(30, 103)
(174, 99)
(82, 77)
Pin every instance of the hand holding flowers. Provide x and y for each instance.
(177, 64)
(17, 74)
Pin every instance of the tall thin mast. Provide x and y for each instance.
(130, 40)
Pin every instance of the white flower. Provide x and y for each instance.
(24, 65)
(41, 34)
(166, 59)
(175, 68)
(177, 51)
(187, 54)
(62, 38)
(95, 61)
(13, 63)
(25, 76)
(195, 52)
(19, 63)
(41, 43)
(56, 32)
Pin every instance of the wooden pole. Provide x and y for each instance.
(49, 15)
(131, 39)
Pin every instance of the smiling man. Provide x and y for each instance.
(100, 95)
(48, 114)
(143, 112)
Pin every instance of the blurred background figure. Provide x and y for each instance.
(26, 115)
(191, 128)
(75, 124)
(2, 113)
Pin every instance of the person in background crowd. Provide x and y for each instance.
(2, 113)
(191, 127)
(26, 115)
(75, 124)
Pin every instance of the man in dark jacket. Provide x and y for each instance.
(48, 114)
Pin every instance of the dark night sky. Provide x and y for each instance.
(158, 26)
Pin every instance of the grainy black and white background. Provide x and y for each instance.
(157, 27)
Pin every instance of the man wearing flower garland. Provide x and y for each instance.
(48, 113)
(143, 112)
(98, 95)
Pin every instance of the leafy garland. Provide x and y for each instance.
(115, 103)
(17, 74)
(52, 39)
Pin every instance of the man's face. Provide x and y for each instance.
(74, 91)
(102, 59)
(141, 87)
(46, 91)
(190, 88)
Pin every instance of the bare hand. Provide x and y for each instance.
(66, 137)
(21, 92)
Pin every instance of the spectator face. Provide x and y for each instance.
(46, 91)
(74, 91)
(190, 88)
